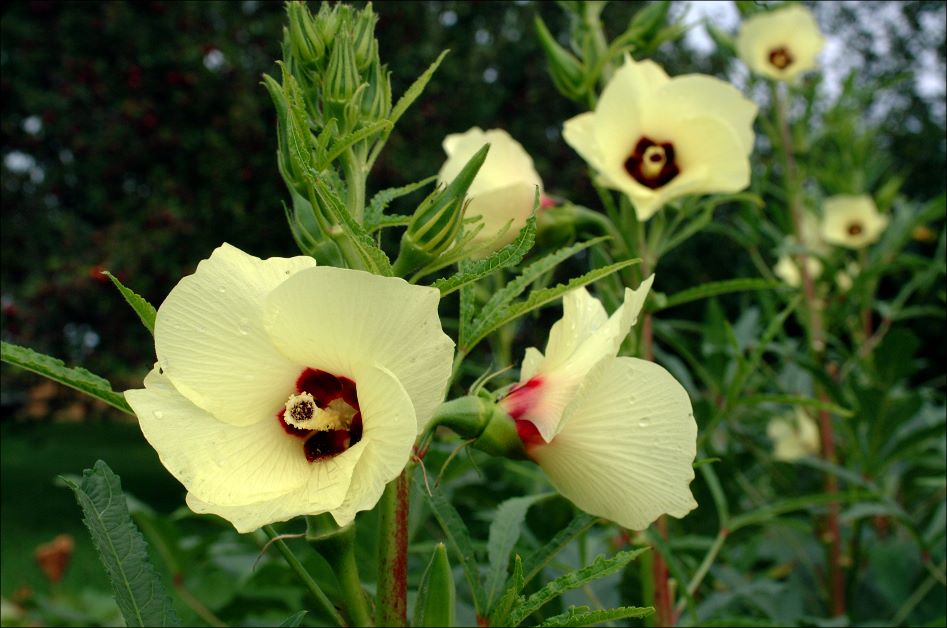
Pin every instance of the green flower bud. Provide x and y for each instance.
(480, 418)
(435, 603)
(376, 100)
(305, 42)
(566, 71)
(366, 47)
(342, 79)
(437, 220)
(646, 24)
(327, 22)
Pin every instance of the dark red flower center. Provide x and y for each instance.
(652, 164)
(329, 392)
(780, 57)
(855, 229)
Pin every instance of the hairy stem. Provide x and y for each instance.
(392, 607)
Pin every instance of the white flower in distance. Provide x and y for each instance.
(284, 389)
(504, 189)
(615, 435)
(794, 437)
(780, 44)
(657, 138)
(787, 269)
(852, 221)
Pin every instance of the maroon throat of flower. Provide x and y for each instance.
(855, 228)
(652, 164)
(780, 58)
(324, 413)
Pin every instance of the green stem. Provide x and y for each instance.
(337, 546)
(392, 607)
(325, 606)
(354, 170)
(703, 570)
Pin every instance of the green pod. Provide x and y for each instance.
(435, 603)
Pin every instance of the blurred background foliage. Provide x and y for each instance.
(137, 138)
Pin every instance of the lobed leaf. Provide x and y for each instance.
(715, 288)
(535, 562)
(487, 322)
(372, 256)
(504, 532)
(599, 568)
(76, 377)
(140, 595)
(375, 208)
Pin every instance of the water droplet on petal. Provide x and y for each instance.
(158, 414)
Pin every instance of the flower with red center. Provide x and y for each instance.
(780, 44)
(615, 435)
(852, 221)
(284, 389)
(657, 138)
(504, 190)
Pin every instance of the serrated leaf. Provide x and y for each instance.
(599, 568)
(501, 610)
(146, 311)
(76, 377)
(531, 273)
(509, 255)
(293, 620)
(715, 288)
(535, 562)
(140, 595)
(504, 532)
(372, 257)
(406, 100)
(341, 144)
(458, 538)
(379, 202)
(486, 323)
(585, 616)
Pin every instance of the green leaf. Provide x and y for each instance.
(372, 257)
(714, 288)
(376, 207)
(435, 603)
(293, 620)
(584, 616)
(341, 144)
(488, 322)
(504, 532)
(794, 400)
(535, 562)
(599, 568)
(501, 610)
(146, 311)
(779, 508)
(138, 590)
(509, 255)
(78, 378)
(458, 537)
(531, 273)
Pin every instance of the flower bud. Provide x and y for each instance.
(566, 71)
(366, 47)
(303, 37)
(488, 423)
(327, 22)
(376, 100)
(646, 24)
(437, 220)
(342, 79)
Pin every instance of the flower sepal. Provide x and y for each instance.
(480, 419)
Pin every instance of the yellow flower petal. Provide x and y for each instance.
(512, 204)
(210, 340)
(795, 436)
(852, 221)
(626, 444)
(787, 35)
(336, 320)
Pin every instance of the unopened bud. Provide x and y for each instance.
(342, 78)
(493, 430)
(376, 100)
(366, 47)
(566, 71)
(304, 38)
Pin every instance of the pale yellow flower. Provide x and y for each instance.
(285, 389)
(504, 190)
(780, 44)
(657, 138)
(795, 436)
(615, 435)
(852, 221)
(845, 278)
(787, 269)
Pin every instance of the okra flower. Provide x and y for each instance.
(780, 44)
(504, 189)
(284, 389)
(615, 435)
(852, 221)
(657, 138)
(787, 269)
(795, 436)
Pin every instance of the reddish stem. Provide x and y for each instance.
(393, 564)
